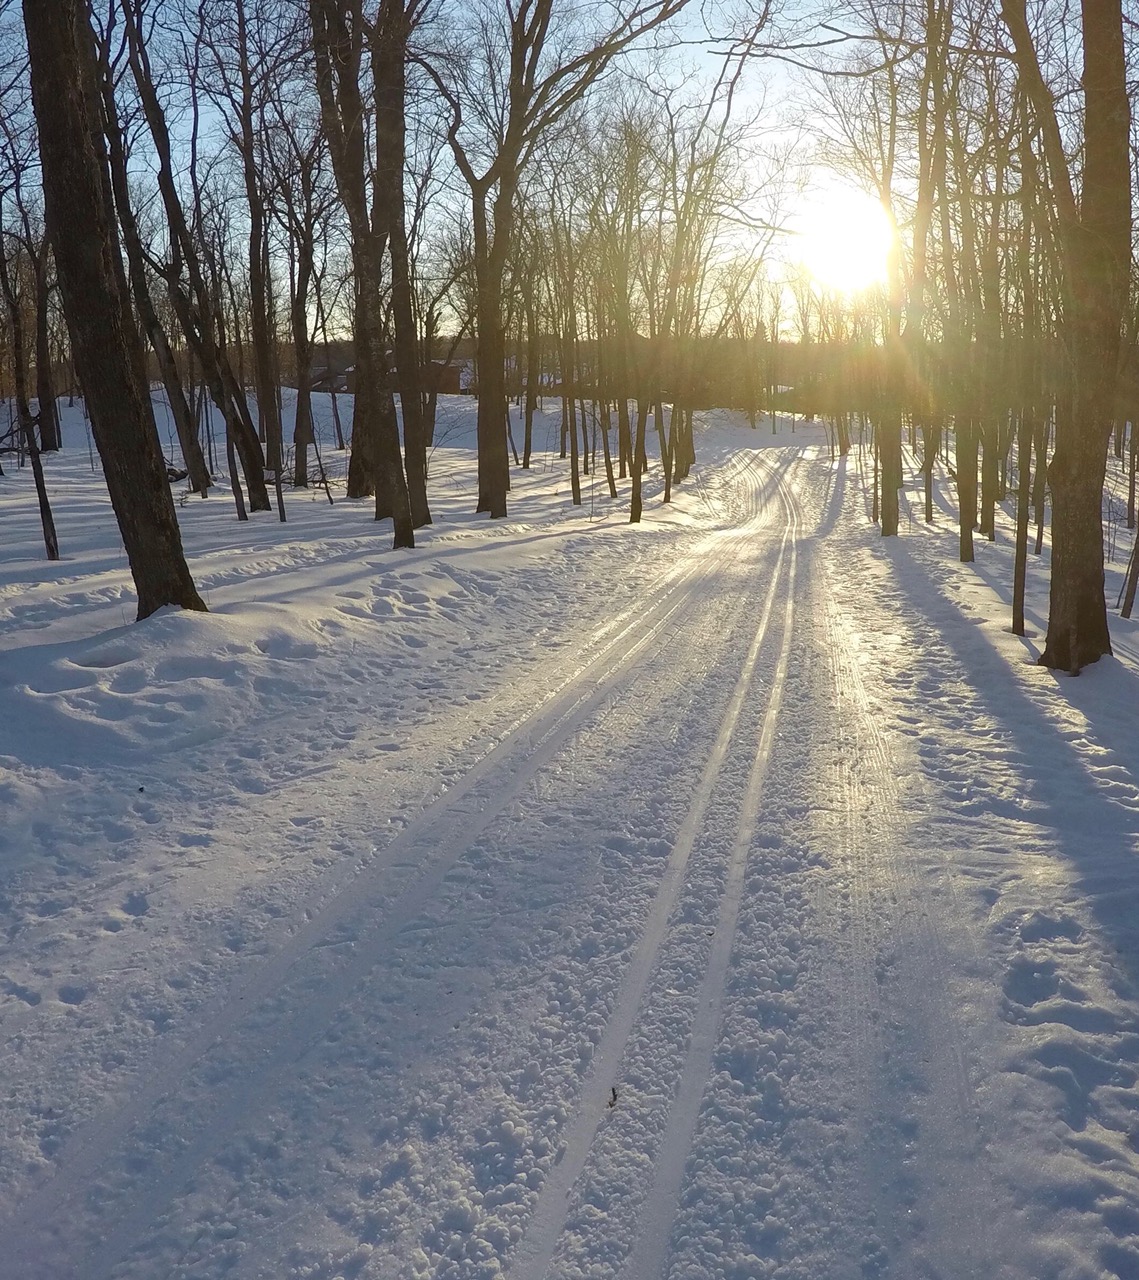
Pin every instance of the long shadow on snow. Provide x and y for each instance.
(1077, 803)
(1097, 837)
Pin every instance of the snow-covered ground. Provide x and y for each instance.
(727, 896)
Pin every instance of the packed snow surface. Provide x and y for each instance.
(726, 896)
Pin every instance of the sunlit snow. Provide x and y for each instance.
(725, 896)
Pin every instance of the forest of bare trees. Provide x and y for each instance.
(205, 196)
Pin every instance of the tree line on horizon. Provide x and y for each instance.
(207, 191)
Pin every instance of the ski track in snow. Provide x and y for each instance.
(430, 846)
(457, 914)
(548, 1221)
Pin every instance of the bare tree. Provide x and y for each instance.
(509, 74)
(245, 47)
(106, 345)
(300, 200)
(197, 471)
(18, 164)
(189, 291)
(340, 38)
(23, 411)
(1095, 242)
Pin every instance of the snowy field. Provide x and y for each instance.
(728, 896)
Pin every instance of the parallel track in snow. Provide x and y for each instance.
(650, 1253)
(390, 888)
(532, 1258)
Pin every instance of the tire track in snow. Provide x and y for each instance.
(38, 1228)
(535, 1252)
(466, 731)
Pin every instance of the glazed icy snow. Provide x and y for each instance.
(728, 896)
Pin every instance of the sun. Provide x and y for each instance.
(843, 240)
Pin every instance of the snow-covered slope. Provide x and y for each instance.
(724, 896)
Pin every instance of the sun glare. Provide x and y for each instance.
(844, 241)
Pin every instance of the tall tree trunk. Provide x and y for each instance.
(266, 377)
(965, 440)
(888, 429)
(664, 440)
(889, 435)
(109, 358)
(569, 377)
(636, 501)
(606, 452)
(1020, 556)
(1132, 458)
(987, 522)
(18, 341)
(303, 436)
(490, 262)
(624, 436)
(533, 374)
(1040, 483)
(23, 410)
(388, 38)
(1095, 240)
(930, 435)
(48, 410)
(376, 466)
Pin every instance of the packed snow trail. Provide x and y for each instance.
(549, 1219)
(752, 923)
(429, 848)
(172, 1134)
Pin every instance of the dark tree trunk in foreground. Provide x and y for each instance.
(106, 346)
(1097, 262)
(1095, 242)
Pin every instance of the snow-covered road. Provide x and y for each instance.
(712, 900)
